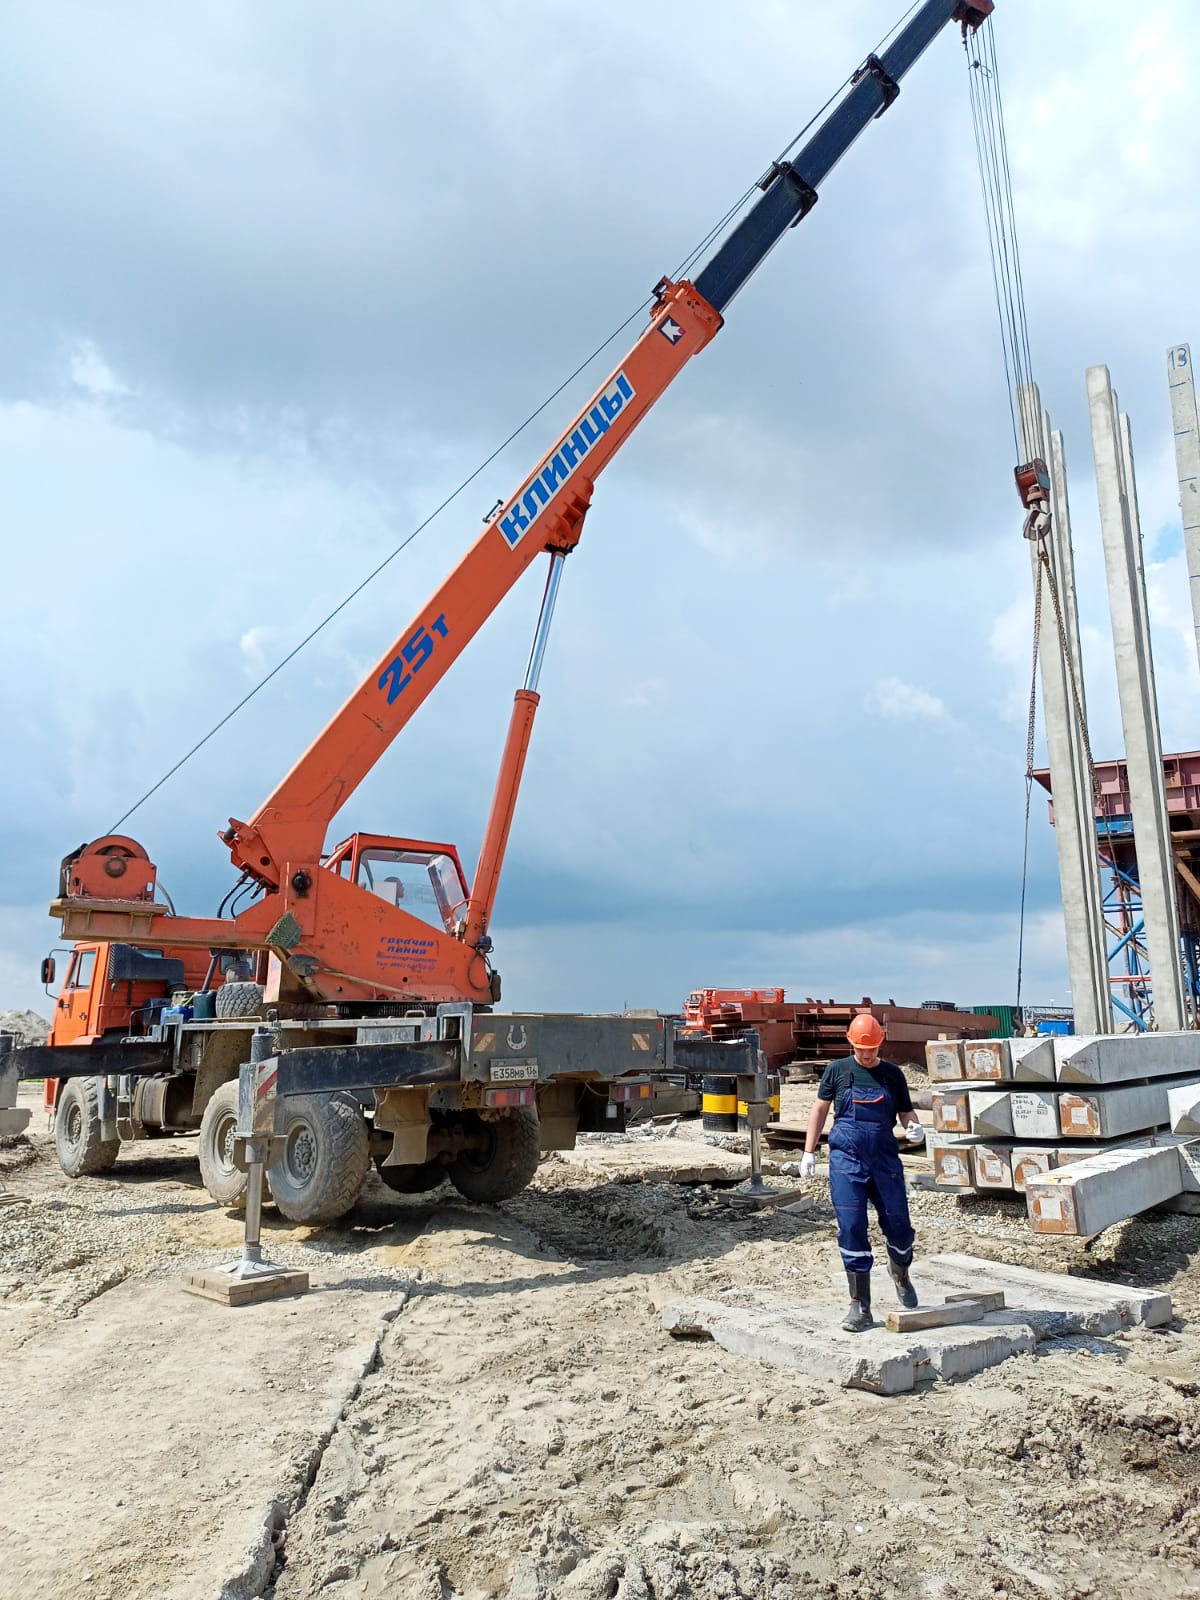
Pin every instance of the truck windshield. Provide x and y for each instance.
(424, 883)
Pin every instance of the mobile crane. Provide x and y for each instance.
(371, 961)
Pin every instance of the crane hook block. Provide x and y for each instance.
(973, 14)
(1033, 483)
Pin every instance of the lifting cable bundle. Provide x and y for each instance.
(1029, 444)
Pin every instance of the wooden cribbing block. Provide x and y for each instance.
(989, 1299)
(971, 1308)
(229, 1291)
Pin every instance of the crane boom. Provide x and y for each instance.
(335, 929)
(546, 512)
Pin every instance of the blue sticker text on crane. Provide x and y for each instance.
(414, 653)
(559, 465)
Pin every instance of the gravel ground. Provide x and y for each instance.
(528, 1433)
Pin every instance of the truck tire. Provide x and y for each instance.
(78, 1140)
(505, 1161)
(325, 1159)
(239, 999)
(419, 1179)
(225, 1182)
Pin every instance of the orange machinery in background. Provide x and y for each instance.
(796, 1032)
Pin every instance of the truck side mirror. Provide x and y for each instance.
(48, 971)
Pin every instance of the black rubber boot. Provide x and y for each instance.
(858, 1318)
(905, 1292)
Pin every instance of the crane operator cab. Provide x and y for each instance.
(426, 880)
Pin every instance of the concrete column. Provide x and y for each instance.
(1070, 780)
(1182, 382)
(1122, 536)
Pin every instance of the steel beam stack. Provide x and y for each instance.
(810, 1033)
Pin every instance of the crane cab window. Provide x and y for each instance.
(424, 883)
(83, 964)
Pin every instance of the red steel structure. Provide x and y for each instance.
(800, 1031)
(1129, 964)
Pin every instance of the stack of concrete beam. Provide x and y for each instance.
(1008, 1113)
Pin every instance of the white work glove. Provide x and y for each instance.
(914, 1133)
(808, 1166)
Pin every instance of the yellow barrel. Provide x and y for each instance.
(719, 1104)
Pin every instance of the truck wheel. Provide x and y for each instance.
(504, 1161)
(239, 999)
(78, 1140)
(223, 1180)
(325, 1159)
(419, 1179)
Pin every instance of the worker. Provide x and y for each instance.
(864, 1162)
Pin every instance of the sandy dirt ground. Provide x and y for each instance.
(499, 1415)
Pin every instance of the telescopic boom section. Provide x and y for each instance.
(547, 510)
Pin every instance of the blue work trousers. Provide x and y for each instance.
(864, 1165)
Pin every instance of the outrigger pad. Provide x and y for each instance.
(232, 1285)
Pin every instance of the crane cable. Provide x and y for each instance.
(645, 305)
(995, 175)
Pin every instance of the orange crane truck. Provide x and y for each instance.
(371, 962)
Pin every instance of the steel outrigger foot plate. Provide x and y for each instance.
(755, 1193)
(243, 1283)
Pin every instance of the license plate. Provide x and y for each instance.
(513, 1071)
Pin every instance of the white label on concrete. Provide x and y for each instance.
(985, 1058)
(1081, 1116)
(1029, 1165)
(993, 1167)
(950, 1111)
(1034, 1114)
(944, 1059)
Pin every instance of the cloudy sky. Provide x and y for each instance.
(278, 277)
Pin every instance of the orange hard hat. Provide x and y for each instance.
(866, 1032)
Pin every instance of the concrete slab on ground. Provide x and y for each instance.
(231, 1407)
(642, 1160)
(767, 1326)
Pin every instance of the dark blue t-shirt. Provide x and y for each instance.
(842, 1075)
